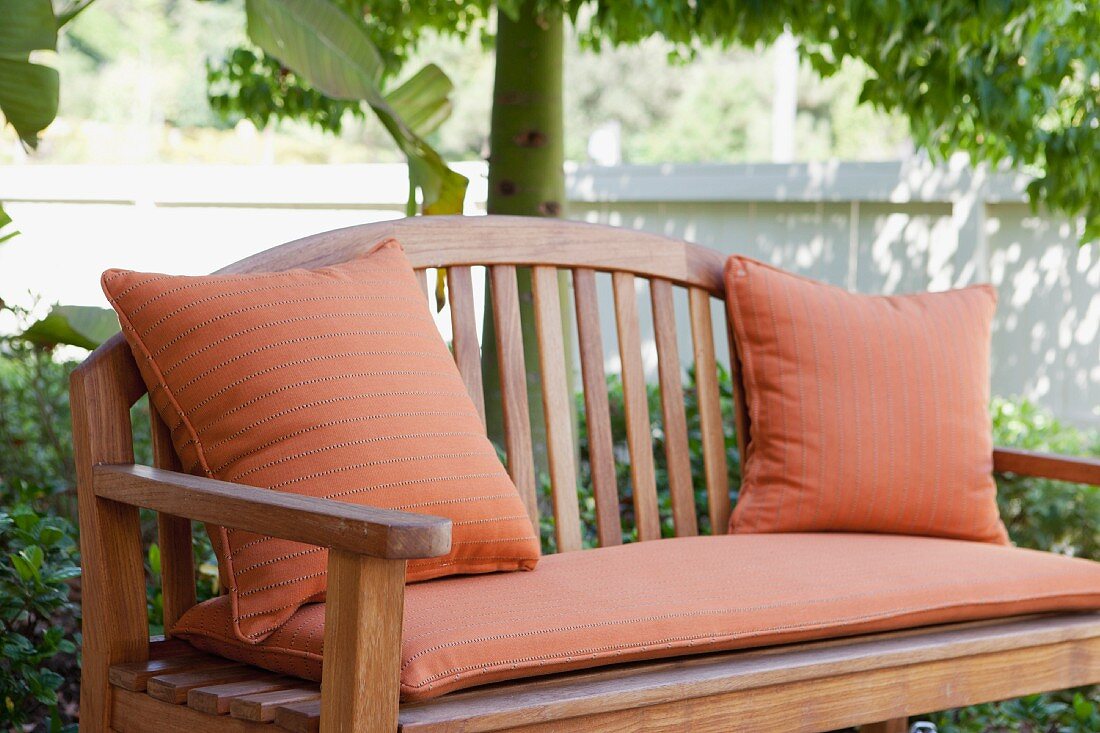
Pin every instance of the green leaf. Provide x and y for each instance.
(154, 558)
(28, 26)
(334, 54)
(28, 97)
(26, 571)
(423, 100)
(50, 536)
(6, 232)
(73, 325)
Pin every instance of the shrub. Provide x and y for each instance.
(38, 621)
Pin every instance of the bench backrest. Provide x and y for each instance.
(547, 247)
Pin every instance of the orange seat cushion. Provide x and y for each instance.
(677, 596)
(866, 413)
(331, 383)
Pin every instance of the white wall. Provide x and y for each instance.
(876, 228)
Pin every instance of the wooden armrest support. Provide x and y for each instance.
(1045, 465)
(353, 528)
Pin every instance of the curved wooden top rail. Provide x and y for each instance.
(443, 241)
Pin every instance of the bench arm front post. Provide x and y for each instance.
(368, 550)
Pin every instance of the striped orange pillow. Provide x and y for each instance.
(866, 413)
(332, 383)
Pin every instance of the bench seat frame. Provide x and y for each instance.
(806, 687)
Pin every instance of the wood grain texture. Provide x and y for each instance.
(174, 686)
(467, 351)
(360, 678)
(597, 411)
(636, 404)
(215, 699)
(445, 241)
(136, 712)
(177, 559)
(264, 705)
(674, 419)
(715, 468)
(299, 717)
(804, 687)
(134, 676)
(115, 625)
(1081, 470)
(556, 398)
(513, 386)
(896, 725)
(352, 527)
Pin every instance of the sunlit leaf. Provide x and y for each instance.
(28, 26)
(28, 97)
(7, 231)
(334, 54)
(73, 325)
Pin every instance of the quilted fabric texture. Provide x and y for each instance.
(866, 413)
(674, 597)
(332, 383)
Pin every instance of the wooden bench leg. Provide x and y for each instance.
(360, 679)
(897, 725)
(114, 622)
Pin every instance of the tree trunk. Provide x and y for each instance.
(526, 178)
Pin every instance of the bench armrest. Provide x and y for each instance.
(1078, 470)
(362, 530)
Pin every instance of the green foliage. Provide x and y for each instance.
(73, 325)
(334, 54)
(6, 230)
(1014, 82)
(28, 91)
(1046, 515)
(37, 620)
(250, 84)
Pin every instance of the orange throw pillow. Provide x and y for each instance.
(866, 413)
(331, 383)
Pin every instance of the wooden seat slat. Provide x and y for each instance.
(715, 468)
(597, 412)
(467, 351)
(215, 699)
(174, 686)
(556, 406)
(299, 717)
(134, 676)
(513, 385)
(635, 401)
(262, 706)
(674, 419)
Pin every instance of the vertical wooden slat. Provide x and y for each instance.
(597, 412)
(672, 409)
(115, 623)
(715, 470)
(896, 725)
(177, 562)
(555, 397)
(638, 436)
(361, 674)
(422, 280)
(464, 331)
(513, 386)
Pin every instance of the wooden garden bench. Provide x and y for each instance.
(133, 683)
